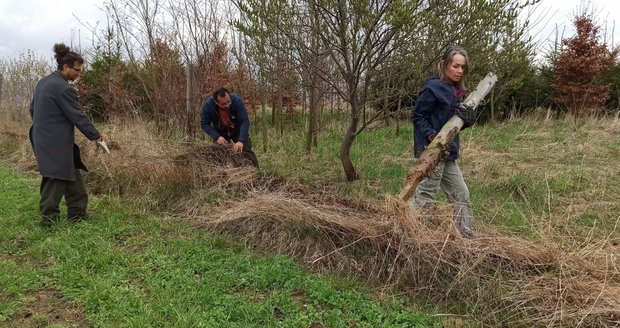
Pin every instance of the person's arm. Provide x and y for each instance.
(424, 107)
(242, 119)
(72, 109)
(206, 118)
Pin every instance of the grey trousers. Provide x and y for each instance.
(52, 190)
(447, 176)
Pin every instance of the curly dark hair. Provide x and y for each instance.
(64, 55)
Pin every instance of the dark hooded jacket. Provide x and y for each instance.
(433, 108)
(55, 113)
(210, 121)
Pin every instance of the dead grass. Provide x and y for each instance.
(540, 283)
(556, 280)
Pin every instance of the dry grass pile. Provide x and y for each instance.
(504, 280)
(498, 280)
(145, 166)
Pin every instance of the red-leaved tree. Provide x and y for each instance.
(579, 67)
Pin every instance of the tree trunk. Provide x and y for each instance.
(263, 120)
(312, 110)
(492, 108)
(274, 107)
(440, 147)
(386, 110)
(345, 157)
(303, 103)
(317, 127)
(1, 80)
(280, 113)
(397, 117)
(347, 142)
(189, 102)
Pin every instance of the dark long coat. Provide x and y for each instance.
(55, 113)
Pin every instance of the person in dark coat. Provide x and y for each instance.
(440, 99)
(225, 119)
(55, 113)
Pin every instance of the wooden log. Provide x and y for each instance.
(440, 146)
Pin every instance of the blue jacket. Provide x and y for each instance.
(210, 120)
(433, 108)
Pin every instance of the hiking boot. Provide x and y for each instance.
(76, 219)
(48, 221)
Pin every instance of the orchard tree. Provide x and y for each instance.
(390, 46)
(353, 36)
(579, 69)
(283, 43)
(490, 31)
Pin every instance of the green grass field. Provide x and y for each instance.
(127, 268)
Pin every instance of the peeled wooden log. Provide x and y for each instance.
(440, 146)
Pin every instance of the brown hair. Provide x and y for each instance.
(220, 92)
(446, 60)
(64, 55)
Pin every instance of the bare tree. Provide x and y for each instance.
(19, 77)
(492, 33)
(164, 38)
(197, 25)
(356, 36)
(313, 79)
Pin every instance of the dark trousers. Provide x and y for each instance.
(52, 191)
(247, 152)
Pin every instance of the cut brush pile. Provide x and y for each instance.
(499, 281)
(502, 280)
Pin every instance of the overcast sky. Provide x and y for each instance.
(554, 18)
(37, 24)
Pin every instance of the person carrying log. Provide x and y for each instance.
(439, 100)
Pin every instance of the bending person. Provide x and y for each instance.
(225, 119)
